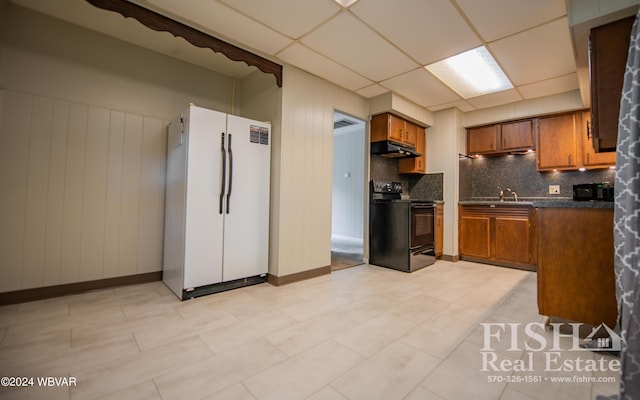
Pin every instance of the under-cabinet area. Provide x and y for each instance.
(496, 234)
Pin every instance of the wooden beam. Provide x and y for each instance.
(159, 22)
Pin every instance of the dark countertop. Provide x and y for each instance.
(538, 203)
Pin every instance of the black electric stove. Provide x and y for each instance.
(401, 230)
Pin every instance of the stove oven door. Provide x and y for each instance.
(422, 225)
(422, 235)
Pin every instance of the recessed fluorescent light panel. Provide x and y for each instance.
(471, 74)
(345, 3)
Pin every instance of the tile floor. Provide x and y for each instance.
(360, 333)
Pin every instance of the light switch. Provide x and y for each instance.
(554, 189)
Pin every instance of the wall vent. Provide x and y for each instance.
(342, 123)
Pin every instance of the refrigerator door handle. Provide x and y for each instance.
(230, 174)
(224, 171)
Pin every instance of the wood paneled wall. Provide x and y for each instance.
(302, 170)
(82, 192)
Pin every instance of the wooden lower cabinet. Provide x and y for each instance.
(475, 236)
(575, 265)
(513, 239)
(439, 245)
(502, 235)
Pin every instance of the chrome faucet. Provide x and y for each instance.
(501, 193)
(515, 195)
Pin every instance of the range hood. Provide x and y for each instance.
(391, 149)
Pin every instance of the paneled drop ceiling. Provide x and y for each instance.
(372, 46)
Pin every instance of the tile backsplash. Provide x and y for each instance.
(426, 187)
(481, 177)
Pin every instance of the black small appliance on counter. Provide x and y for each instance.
(593, 191)
(401, 231)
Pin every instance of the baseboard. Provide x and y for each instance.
(447, 257)
(24, 295)
(299, 276)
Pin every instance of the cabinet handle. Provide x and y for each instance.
(588, 130)
(588, 157)
(570, 158)
(504, 143)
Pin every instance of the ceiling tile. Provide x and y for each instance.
(421, 87)
(495, 99)
(538, 54)
(427, 30)
(321, 66)
(461, 105)
(496, 19)
(220, 20)
(347, 40)
(550, 86)
(291, 17)
(372, 91)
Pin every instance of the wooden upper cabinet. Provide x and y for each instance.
(415, 165)
(387, 126)
(565, 142)
(556, 142)
(517, 135)
(500, 138)
(483, 139)
(608, 59)
(589, 157)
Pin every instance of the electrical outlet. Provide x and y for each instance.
(554, 189)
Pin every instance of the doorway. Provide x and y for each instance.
(347, 213)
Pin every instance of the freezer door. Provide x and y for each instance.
(204, 222)
(246, 225)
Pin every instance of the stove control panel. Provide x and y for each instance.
(386, 187)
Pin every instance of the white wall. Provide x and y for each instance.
(82, 150)
(301, 221)
(348, 191)
(445, 139)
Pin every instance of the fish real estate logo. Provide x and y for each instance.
(529, 338)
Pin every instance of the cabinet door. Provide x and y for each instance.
(517, 135)
(483, 139)
(396, 128)
(411, 133)
(589, 157)
(439, 230)
(415, 165)
(609, 50)
(512, 239)
(475, 237)
(387, 126)
(556, 146)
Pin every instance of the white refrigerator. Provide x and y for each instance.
(217, 202)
